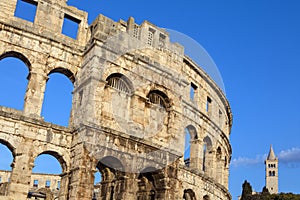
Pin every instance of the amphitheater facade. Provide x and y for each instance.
(136, 95)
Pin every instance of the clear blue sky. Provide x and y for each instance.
(256, 46)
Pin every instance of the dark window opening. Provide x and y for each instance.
(70, 26)
(193, 90)
(26, 10)
(208, 104)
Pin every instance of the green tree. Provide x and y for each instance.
(247, 191)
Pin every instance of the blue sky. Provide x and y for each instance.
(256, 46)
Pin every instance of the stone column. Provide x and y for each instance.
(81, 181)
(21, 172)
(196, 154)
(219, 170)
(35, 91)
(210, 164)
(130, 188)
(225, 176)
(64, 182)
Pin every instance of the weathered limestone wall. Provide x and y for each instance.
(130, 113)
(27, 138)
(53, 179)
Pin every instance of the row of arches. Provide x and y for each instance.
(200, 154)
(45, 172)
(15, 77)
(112, 181)
(149, 182)
(42, 161)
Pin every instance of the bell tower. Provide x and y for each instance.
(272, 172)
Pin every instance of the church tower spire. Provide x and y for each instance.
(272, 172)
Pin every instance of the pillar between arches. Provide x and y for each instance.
(21, 172)
(35, 91)
(196, 154)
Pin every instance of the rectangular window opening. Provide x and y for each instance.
(35, 183)
(26, 9)
(0, 179)
(162, 40)
(150, 36)
(70, 26)
(47, 185)
(58, 185)
(208, 104)
(193, 90)
(136, 31)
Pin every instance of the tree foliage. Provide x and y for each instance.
(247, 190)
(265, 195)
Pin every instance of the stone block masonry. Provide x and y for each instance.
(131, 110)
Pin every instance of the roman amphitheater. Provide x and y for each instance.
(136, 96)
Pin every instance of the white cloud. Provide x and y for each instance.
(244, 161)
(288, 157)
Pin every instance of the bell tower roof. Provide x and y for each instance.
(271, 155)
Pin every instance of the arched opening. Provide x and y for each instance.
(117, 99)
(147, 188)
(57, 103)
(189, 195)
(46, 177)
(7, 157)
(187, 147)
(156, 115)
(158, 98)
(120, 82)
(206, 197)
(14, 71)
(207, 147)
(97, 184)
(110, 186)
(190, 146)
